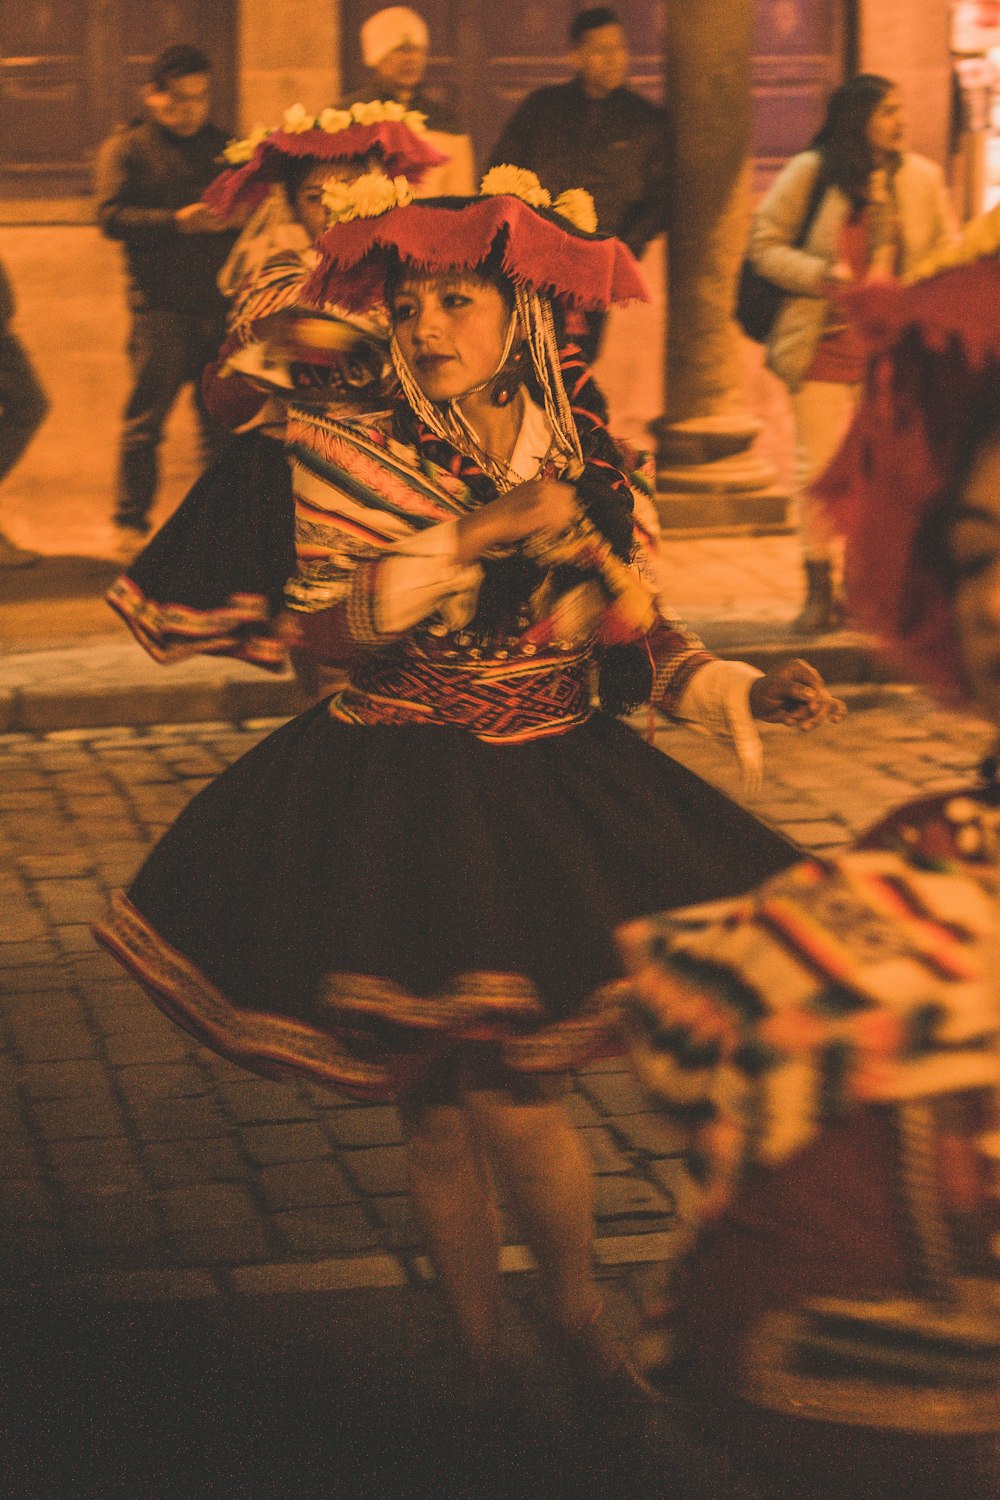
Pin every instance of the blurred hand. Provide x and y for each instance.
(795, 694)
(539, 505)
(198, 218)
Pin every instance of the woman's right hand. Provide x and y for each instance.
(537, 505)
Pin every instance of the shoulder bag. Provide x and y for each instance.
(758, 300)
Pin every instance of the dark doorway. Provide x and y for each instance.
(70, 70)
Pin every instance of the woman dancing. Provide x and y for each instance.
(410, 891)
(212, 579)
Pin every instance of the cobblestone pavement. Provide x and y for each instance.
(143, 1166)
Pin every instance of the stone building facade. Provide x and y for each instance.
(69, 71)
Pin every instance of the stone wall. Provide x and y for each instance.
(908, 40)
(289, 53)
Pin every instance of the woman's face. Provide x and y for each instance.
(308, 199)
(974, 553)
(451, 331)
(886, 129)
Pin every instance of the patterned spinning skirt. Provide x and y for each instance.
(212, 579)
(346, 901)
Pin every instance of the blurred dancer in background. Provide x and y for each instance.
(834, 1039)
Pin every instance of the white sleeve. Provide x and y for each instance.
(421, 577)
(717, 701)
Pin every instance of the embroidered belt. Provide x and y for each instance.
(495, 694)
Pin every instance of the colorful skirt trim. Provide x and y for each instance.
(212, 579)
(369, 1017)
(345, 903)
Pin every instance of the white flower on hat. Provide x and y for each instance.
(368, 113)
(414, 120)
(296, 121)
(365, 198)
(576, 205)
(332, 120)
(236, 153)
(518, 182)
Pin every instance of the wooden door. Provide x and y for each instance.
(801, 52)
(489, 53)
(71, 70)
(44, 90)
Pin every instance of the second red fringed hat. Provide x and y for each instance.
(403, 149)
(935, 349)
(540, 248)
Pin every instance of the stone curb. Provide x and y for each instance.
(845, 658)
(37, 710)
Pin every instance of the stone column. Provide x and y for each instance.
(707, 476)
(289, 53)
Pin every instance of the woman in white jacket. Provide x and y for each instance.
(882, 210)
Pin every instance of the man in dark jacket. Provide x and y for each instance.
(595, 133)
(150, 177)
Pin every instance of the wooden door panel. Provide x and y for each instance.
(798, 59)
(43, 84)
(70, 70)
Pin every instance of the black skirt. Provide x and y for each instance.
(212, 579)
(347, 900)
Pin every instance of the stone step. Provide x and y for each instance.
(843, 656)
(716, 513)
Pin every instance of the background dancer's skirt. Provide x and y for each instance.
(211, 580)
(344, 902)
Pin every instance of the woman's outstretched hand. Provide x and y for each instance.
(538, 505)
(795, 694)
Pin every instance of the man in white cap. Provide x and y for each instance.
(394, 46)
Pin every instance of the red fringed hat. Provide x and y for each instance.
(335, 135)
(935, 350)
(541, 247)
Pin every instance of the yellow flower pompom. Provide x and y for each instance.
(236, 153)
(365, 198)
(577, 206)
(518, 182)
(332, 120)
(368, 113)
(296, 121)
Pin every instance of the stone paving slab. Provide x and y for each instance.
(134, 1158)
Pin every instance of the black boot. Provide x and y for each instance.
(823, 609)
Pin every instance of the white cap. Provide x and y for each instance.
(387, 29)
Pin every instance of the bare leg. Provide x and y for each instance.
(455, 1204)
(546, 1173)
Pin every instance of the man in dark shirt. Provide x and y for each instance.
(150, 176)
(595, 133)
